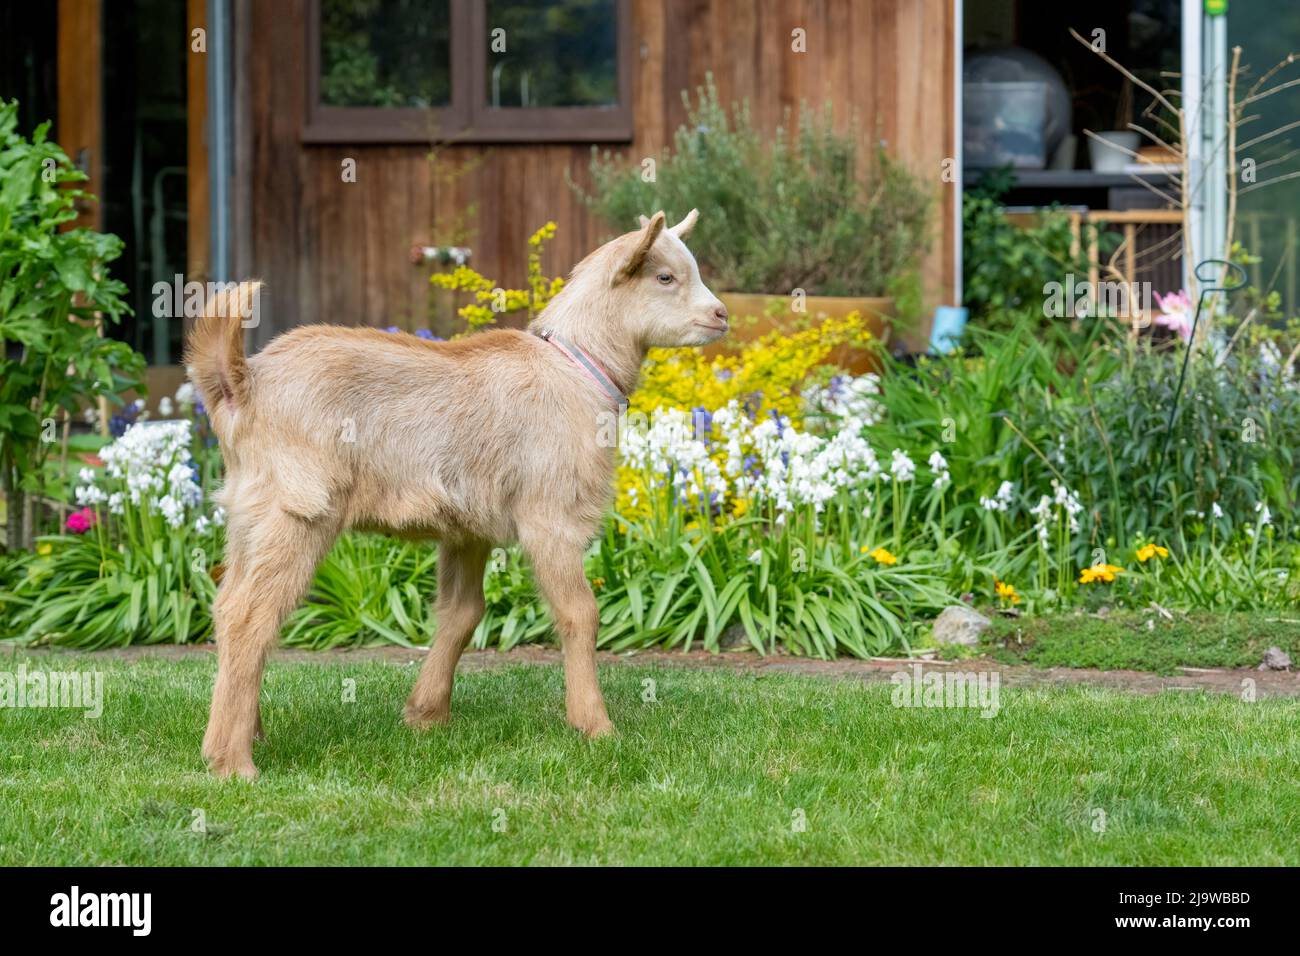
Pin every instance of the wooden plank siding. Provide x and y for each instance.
(339, 252)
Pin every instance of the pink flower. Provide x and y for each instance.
(79, 522)
(1176, 313)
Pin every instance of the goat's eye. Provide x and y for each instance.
(665, 278)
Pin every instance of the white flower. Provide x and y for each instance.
(147, 467)
(902, 467)
(847, 397)
(1265, 516)
(172, 509)
(89, 495)
(185, 394)
(756, 557)
(1001, 500)
(86, 476)
(1216, 510)
(1040, 512)
(165, 406)
(939, 468)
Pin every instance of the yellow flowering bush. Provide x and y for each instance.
(490, 300)
(766, 375)
(767, 372)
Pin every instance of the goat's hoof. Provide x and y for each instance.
(593, 727)
(224, 767)
(422, 718)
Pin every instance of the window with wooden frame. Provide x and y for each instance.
(415, 71)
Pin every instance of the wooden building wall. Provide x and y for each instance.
(339, 252)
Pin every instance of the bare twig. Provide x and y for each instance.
(1128, 75)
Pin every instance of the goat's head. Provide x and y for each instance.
(656, 287)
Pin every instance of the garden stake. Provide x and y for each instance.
(1191, 344)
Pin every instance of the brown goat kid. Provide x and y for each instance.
(479, 441)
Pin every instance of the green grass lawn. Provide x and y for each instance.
(713, 773)
(1138, 640)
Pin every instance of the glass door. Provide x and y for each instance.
(1268, 180)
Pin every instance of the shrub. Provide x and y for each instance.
(490, 301)
(790, 210)
(53, 283)
(1005, 265)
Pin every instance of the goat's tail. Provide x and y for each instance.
(214, 352)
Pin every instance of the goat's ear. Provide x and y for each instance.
(642, 221)
(649, 233)
(683, 228)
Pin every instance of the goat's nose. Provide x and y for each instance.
(720, 313)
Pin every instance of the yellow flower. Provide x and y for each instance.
(490, 301)
(883, 557)
(1149, 551)
(1099, 572)
(766, 375)
(1006, 592)
(597, 583)
(44, 548)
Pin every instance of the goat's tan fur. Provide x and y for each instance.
(488, 439)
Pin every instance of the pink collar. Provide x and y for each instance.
(588, 365)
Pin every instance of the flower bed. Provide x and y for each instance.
(766, 498)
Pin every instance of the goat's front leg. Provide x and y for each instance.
(558, 567)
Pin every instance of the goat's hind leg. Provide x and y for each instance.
(460, 608)
(277, 558)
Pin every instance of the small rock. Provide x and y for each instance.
(1275, 659)
(960, 625)
(733, 637)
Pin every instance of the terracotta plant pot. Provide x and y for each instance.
(753, 315)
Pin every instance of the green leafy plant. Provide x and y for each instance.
(1006, 264)
(782, 211)
(54, 288)
(80, 591)
(369, 589)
